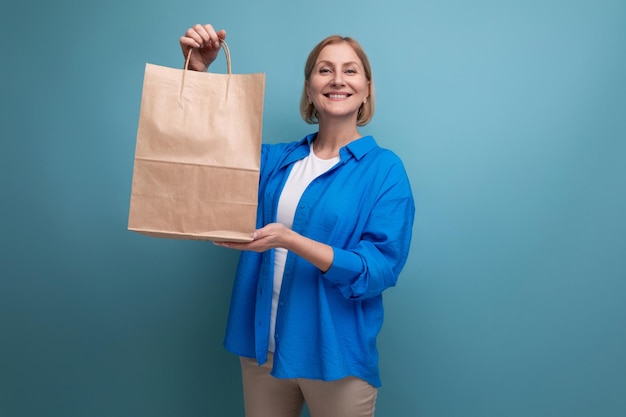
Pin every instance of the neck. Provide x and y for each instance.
(334, 136)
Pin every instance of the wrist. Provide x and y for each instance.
(290, 240)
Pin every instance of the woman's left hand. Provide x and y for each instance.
(277, 235)
(274, 235)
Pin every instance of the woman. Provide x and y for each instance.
(334, 226)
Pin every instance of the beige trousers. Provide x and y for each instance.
(266, 396)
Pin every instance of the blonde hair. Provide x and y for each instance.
(307, 110)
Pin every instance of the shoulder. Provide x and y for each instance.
(274, 149)
(382, 158)
(383, 168)
(368, 150)
(277, 153)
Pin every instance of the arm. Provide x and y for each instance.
(373, 262)
(276, 235)
(204, 42)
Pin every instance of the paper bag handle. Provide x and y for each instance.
(224, 46)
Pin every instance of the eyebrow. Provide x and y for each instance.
(343, 65)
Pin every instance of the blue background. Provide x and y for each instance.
(509, 115)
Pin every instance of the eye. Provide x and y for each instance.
(324, 70)
(351, 71)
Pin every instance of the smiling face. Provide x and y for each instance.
(338, 85)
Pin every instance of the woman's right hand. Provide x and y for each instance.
(205, 44)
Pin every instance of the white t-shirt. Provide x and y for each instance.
(303, 172)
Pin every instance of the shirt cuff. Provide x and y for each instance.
(346, 268)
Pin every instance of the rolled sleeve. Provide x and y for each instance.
(346, 268)
(376, 259)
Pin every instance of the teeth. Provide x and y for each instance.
(337, 95)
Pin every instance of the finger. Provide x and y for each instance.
(235, 245)
(215, 37)
(204, 31)
(192, 35)
(187, 42)
(209, 35)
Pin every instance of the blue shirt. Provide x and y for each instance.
(327, 323)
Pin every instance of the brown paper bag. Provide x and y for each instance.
(196, 169)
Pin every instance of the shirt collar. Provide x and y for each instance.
(360, 147)
(357, 148)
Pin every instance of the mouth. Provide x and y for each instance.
(337, 96)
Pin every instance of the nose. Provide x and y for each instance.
(337, 78)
